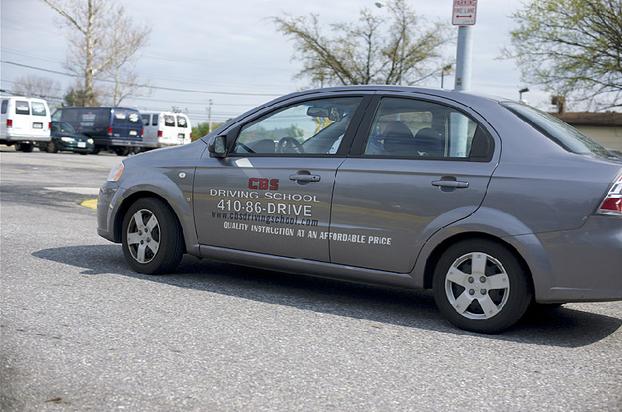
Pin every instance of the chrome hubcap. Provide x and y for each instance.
(477, 286)
(143, 236)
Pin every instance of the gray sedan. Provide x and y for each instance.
(494, 205)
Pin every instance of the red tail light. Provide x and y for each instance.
(49, 125)
(9, 122)
(190, 135)
(159, 133)
(612, 204)
(110, 131)
(142, 131)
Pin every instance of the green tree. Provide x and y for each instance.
(403, 50)
(201, 129)
(572, 47)
(78, 97)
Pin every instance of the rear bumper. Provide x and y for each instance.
(19, 137)
(582, 265)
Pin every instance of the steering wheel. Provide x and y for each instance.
(286, 143)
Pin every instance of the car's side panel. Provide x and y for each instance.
(388, 208)
(250, 203)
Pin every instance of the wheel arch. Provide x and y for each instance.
(433, 257)
(129, 201)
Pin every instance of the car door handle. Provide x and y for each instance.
(305, 178)
(450, 184)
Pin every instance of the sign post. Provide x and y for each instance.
(464, 15)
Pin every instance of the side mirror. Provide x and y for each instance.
(218, 147)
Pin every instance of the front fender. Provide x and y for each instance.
(166, 184)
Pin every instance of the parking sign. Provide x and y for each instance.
(464, 12)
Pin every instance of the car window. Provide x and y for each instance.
(66, 128)
(560, 132)
(123, 117)
(311, 127)
(410, 128)
(181, 121)
(146, 119)
(38, 109)
(169, 120)
(154, 120)
(5, 103)
(22, 107)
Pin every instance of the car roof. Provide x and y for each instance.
(451, 94)
(98, 107)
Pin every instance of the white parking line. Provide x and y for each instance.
(78, 190)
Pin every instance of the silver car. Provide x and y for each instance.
(492, 204)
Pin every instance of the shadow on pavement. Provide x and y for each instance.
(561, 327)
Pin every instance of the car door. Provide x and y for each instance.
(22, 120)
(272, 193)
(417, 164)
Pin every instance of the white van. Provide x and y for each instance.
(165, 129)
(24, 121)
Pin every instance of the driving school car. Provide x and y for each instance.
(492, 204)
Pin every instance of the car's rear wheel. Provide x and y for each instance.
(480, 286)
(152, 237)
(122, 151)
(23, 147)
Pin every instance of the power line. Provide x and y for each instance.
(171, 89)
(198, 103)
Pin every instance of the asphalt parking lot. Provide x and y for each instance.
(80, 331)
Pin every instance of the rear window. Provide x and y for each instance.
(146, 119)
(38, 109)
(124, 117)
(181, 121)
(154, 120)
(560, 132)
(22, 107)
(5, 103)
(169, 120)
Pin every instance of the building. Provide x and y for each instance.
(605, 127)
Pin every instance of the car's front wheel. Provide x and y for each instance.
(480, 286)
(152, 237)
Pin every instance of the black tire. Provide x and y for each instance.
(51, 148)
(519, 294)
(171, 241)
(96, 151)
(23, 147)
(121, 151)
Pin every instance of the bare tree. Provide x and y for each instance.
(572, 47)
(125, 42)
(102, 41)
(404, 51)
(36, 86)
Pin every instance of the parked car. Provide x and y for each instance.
(165, 129)
(118, 129)
(66, 139)
(24, 122)
(492, 204)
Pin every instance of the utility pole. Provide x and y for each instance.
(209, 115)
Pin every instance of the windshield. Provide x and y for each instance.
(64, 127)
(560, 132)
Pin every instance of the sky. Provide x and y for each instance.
(233, 47)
